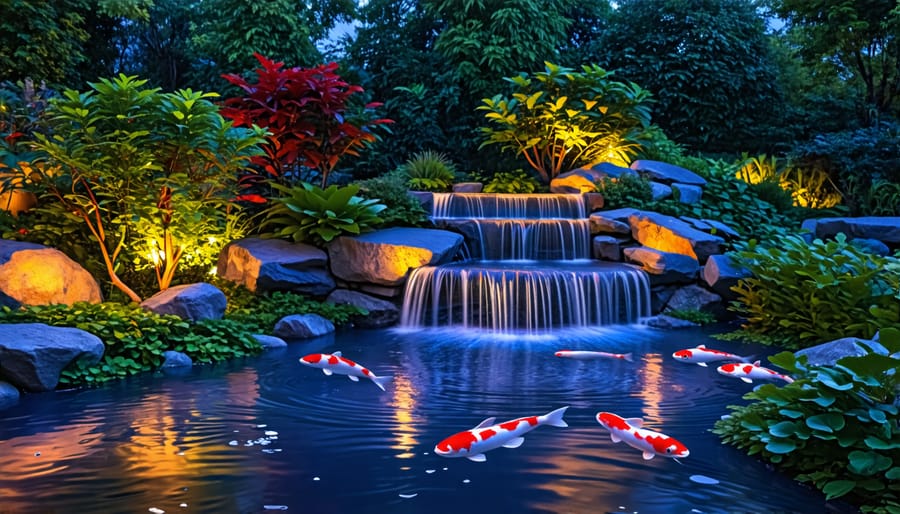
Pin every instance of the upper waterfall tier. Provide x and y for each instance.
(534, 206)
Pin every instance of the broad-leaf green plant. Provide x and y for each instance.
(805, 293)
(310, 214)
(835, 426)
(561, 118)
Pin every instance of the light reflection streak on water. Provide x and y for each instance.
(404, 404)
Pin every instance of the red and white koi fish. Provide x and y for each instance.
(331, 363)
(700, 355)
(472, 443)
(584, 355)
(747, 372)
(650, 443)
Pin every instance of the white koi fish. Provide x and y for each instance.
(747, 372)
(700, 355)
(584, 355)
(650, 443)
(472, 443)
(331, 363)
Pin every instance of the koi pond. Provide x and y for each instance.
(269, 434)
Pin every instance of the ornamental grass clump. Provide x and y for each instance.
(429, 171)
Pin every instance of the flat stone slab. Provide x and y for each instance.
(664, 267)
(669, 173)
(883, 228)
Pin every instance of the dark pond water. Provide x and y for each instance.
(268, 434)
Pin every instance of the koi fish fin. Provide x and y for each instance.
(648, 455)
(486, 423)
(756, 363)
(336, 354)
(678, 461)
(745, 379)
(327, 371)
(382, 381)
(353, 378)
(514, 443)
(787, 379)
(555, 418)
(629, 357)
(635, 422)
(615, 438)
(702, 364)
(701, 346)
(477, 457)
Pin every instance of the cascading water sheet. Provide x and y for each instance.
(531, 269)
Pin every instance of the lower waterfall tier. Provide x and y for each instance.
(526, 296)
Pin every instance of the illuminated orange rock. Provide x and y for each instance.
(33, 274)
(386, 257)
(669, 234)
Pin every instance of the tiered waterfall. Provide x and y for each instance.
(529, 269)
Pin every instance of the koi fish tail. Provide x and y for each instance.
(555, 418)
(628, 356)
(382, 381)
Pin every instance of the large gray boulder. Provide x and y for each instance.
(276, 265)
(885, 229)
(827, 354)
(32, 355)
(669, 234)
(668, 173)
(664, 267)
(303, 326)
(192, 302)
(721, 273)
(33, 274)
(381, 313)
(387, 256)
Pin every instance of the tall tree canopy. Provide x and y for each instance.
(41, 39)
(226, 33)
(707, 64)
(860, 40)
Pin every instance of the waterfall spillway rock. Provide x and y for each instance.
(531, 270)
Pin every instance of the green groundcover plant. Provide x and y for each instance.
(136, 339)
(836, 427)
